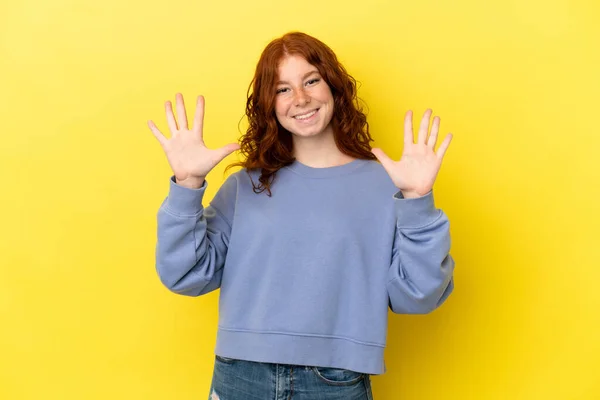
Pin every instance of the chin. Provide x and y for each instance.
(306, 133)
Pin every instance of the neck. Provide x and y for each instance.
(319, 151)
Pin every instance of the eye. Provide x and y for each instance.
(312, 81)
(281, 90)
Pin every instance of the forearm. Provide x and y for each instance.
(420, 276)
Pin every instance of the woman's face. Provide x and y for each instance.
(303, 100)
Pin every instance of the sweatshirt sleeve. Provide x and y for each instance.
(420, 277)
(192, 241)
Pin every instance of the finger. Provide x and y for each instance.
(157, 133)
(444, 146)
(171, 118)
(424, 127)
(383, 158)
(408, 129)
(199, 117)
(435, 127)
(181, 115)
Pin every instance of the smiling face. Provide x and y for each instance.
(303, 100)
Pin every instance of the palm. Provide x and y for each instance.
(419, 165)
(188, 156)
(186, 152)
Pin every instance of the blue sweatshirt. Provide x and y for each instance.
(306, 276)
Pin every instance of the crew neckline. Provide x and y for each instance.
(326, 172)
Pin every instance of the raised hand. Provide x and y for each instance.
(188, 157)
(419, 165)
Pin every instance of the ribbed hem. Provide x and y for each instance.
(280, 348)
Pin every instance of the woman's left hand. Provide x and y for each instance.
(419, 165)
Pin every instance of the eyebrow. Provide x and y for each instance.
(304, 77)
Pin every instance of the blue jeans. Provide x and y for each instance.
(247, 380)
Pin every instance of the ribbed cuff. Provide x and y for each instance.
(415, 212)
(184, 201)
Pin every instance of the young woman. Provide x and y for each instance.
(312, 240)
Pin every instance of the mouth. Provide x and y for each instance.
(306, 116)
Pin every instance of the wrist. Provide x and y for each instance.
(410, 195)
(191, 183)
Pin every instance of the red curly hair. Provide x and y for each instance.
(267, 145)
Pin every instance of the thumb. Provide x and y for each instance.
(383, 158)
(226, 150)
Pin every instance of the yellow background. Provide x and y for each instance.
(83, 314)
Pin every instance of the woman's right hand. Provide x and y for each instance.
(188, 157)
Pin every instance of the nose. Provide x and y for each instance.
(301, 98)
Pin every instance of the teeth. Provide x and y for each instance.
(305, 116)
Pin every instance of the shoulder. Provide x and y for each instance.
(244, 177)
(374, 168)
(240, 182)
(376, 177)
